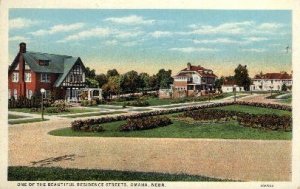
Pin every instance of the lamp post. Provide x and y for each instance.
(234, 92)
(42, 103)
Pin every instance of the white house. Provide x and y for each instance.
(271, 81)
(228, 86)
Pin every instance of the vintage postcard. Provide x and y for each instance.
(150, 95)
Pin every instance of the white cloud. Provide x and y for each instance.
(130, 20)
(193, 49)
(95, 32)
(19, 39)
(18, 23)
(229, 28)
(218, 40)
(127, 34)
(158, 34)
(58, 28)
(257, 50)
(269, 26)
(256, 39)
(130, 43)
(111, 42)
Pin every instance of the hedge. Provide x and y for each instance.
(145, 123)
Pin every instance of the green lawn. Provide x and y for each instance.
(286, 101)
(155, 101)
(182, 129)
(13, 122)
(94, 114)
(71, 111)
(13, 116)
(62, 174)
(254, 110)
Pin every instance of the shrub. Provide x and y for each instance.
(88, 127)
(210, 114)
(52, 110)
(61, 105)
(139, 103)
(145, 123)
(92, 102)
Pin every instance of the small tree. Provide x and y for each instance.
(284, 87)
(241, 77)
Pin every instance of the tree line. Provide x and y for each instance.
(114, 83)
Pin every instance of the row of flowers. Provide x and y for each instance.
(77, 124)
(144, 123)
(265, 121)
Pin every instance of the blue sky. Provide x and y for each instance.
(147, 40)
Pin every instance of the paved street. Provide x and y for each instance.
(247, 160)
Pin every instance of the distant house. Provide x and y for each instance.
(271, 81)
(228, 86)
(60, 75)
(193, 79)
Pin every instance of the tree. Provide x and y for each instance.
(90, 73)
(284, 87)
(112, 87)
(111, 73)
(219, 82)
(164, 78)
(92, 83)
(144, 81)
(153, 84)
(130, 81)
(241, 77)
(101, 79)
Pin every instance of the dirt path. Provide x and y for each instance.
(249, 160)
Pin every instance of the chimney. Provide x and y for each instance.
(189, 66)
(22, 47)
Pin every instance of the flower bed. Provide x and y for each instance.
(145, 123)
(80, 123)
(266, 121)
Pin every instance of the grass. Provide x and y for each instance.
(18, 173)
(13, 122)
(13, 116)
(94, 114)
(286, 101)
(180, 129)
(254, 110)
(71, 111)
(140, 109)
(110, 107)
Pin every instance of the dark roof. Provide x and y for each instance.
(274, 76)
(199, 69)
(60, 64)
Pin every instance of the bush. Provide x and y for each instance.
(145, 123)
(61, 106)
(139, 103)
(88, 102)
(81, 126)
(52, 110)
(210, 114)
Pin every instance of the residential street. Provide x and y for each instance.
(247, 160)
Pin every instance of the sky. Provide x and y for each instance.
(151, 39)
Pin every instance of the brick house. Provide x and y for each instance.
(193, 80)
(271, 81)
(60, 75)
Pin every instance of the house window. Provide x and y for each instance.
(27, 77)
(15, 94)
(45, 77)
(28, 93)
(15, 77)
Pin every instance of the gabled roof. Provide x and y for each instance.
(199, 70)
(274, 76)
(60, 64)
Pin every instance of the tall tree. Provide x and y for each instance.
(219, 82)
(111, 73)
(90, 73)
(153, 84)
(112, 87)
(144, 81)
(241, 77)
(164, 78)
(130, 81)
(101, 79)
